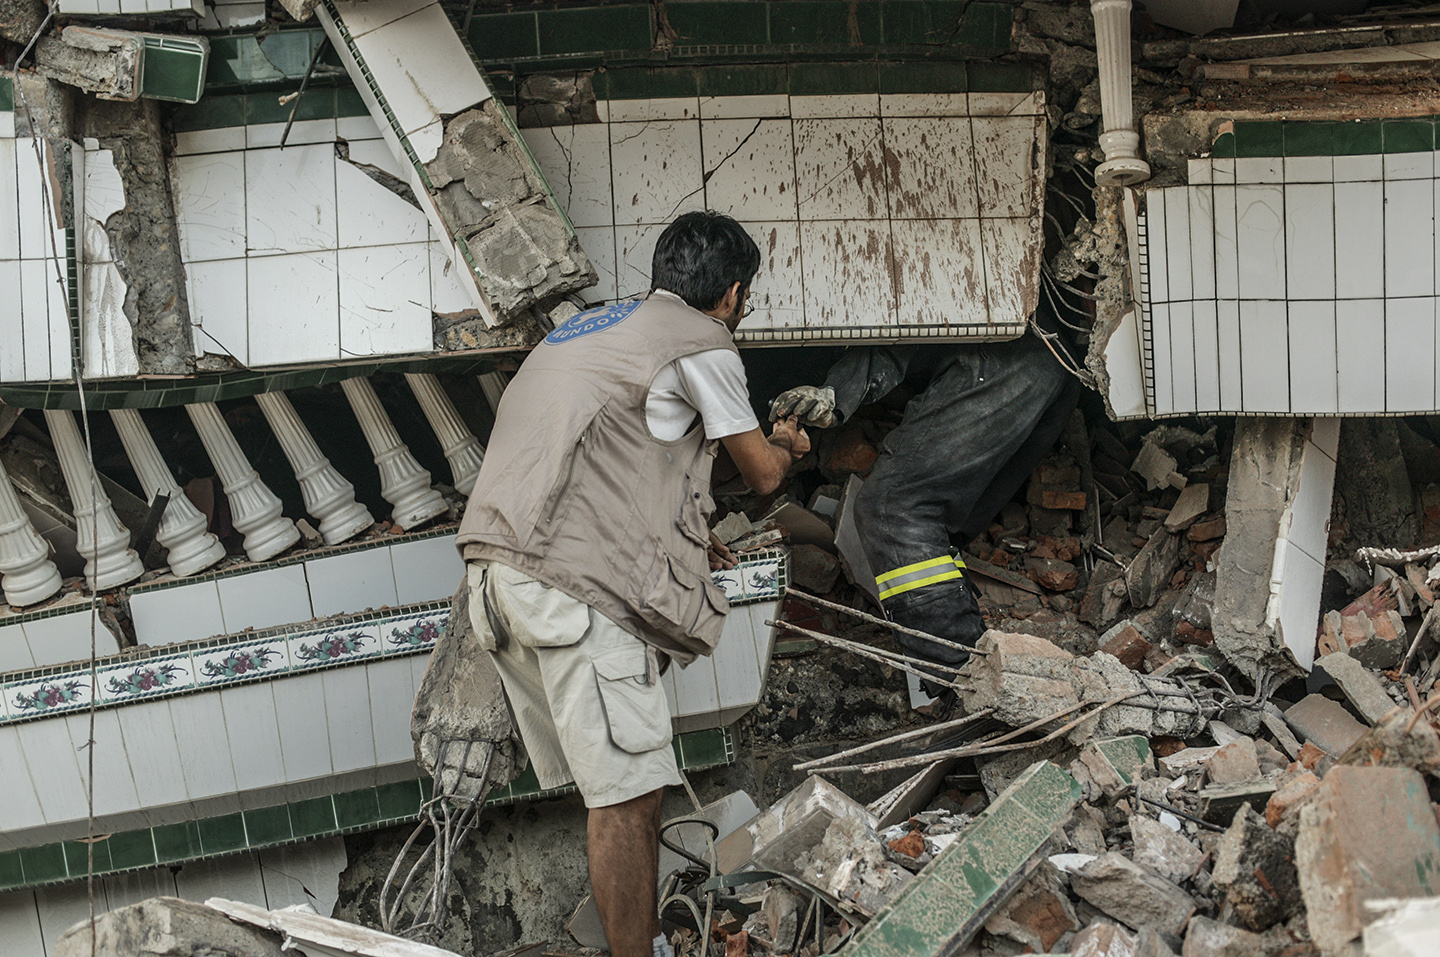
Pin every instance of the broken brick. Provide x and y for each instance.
(1190, 635)
(1310, 756)
(1129, 646)
(911, 845)
(1207, 530)
(1297, 787)
(1053, 574)
(849, 453)
(1133, 894)
(1234, 763)
(1074, 501)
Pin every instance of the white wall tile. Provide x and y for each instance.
(1199, 172)
(385, 300)
(697, 690)
(1260, 240)
(955, 105)
(778, 292)
(181, 613)
(1309, 169)
(151, 743)
(219, 140)
(1227, 253)
(9, 202)
(1313, 358)
(848, 268)
(275, 596)
(1310, 241)
(36, 278)
(1410, 354)
(737, 668)
(744, 107)
(14, 653)
(1325, 434)
(835, 105)
(749, 168)
(1259, 169)
(1227, 318)
(1306, 523)
(392, 695)
(354, 129)
(362, 18)
(12, 323)
(657, 170)
(1005, 160)
(599, 244)
(635, 250)
(54, 769)
(1162, 370)
(302, 133)
(65, 638)
(237, 16)
(42, 231)
(104, 190)
(930, 170)
(114, 781)
(1182, 356)
(1177, 244)
(1265, 361)
(19, 806)
(645, 111)
(304, 726)
(1207, 355)
(254, 734)
(1409, 165)
(1369, 167)
(290, 199)
(1360, 325)
(1409, 238)
(20, 924)
(447, 290)
(367, 213)
(351, 582)
(305, 873)
(1301, 577)
(1157, 262)
(1202, 241)
(348, 715)
(1009, 104)
(234, 877)
(576, 163)
(939, 270)
(294, 308)
(1360, 239)
(219, 314)
(420, 65)
(1012, 263)
(59, 319)
(60, 908)
(426, 570)
(839, 168)
(203, 745)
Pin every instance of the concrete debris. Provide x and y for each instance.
(166, 927)
(1362, 689)
(308, 932)
(21, 19)
(1133, 894)
(107, 63)
(796, 824)
(1193, 502)
(1397, 741)
(1234, 763)
(813, 569)
(1375, 643)
(732, 527)
(1157, 467)
(1255, 868)
(1209, 938)
(1116, 765)
(1039, 914)
(1150, 572)
(1288, 797)
(1368, 834)
(1324, 723)
(1164, 851)
(1409, 928)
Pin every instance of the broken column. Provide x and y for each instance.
(254, 509)
(462, 449)
(493, 385)
(1277, 511)
(102, 541)
(1123, 165)
(403, 483)
(27, 574)
(329, 496)
(512, 247)
(190, 547)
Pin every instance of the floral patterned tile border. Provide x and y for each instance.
(761, 576)
(249, 656)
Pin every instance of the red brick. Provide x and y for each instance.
(1074, 501)
(1296, 788)
(850, 452)
(1190, 635)
(1052, 574)
(911, 845)
(1310, 755)
(1207, 530)
(1129, 646)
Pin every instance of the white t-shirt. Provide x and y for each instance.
(710, 384)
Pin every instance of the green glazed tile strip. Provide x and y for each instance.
(1272, 138)
(7, 94)
(363, 809)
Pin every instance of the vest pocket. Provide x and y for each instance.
(635, 706)
(681, 605)
(695, 509)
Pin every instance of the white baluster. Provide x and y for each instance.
(27, 575)
(329, 496)
(1123, 165)
(101, 539)
(254, 509)
(403, 482)
(182, 529)
(493, 385)
(462, 449)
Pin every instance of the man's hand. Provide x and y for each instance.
(812, 405)
(788, 434)
(719, 554)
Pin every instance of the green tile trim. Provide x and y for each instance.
(7, 94)
(1309, 139)
(1259, 139)
(1407, 136)
(1273, 138)
(928, 22)
(825, 23)
(363, 809)
(926, 76)
(505, 36)
(1224, 146)
(1356, 138)
(584, 29)
(819, 79)
(175, 68)
(707, 23)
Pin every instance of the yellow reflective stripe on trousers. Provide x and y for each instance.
(910, 577)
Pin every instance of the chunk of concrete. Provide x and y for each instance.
(1210, 938)
(1133, 894)
(1409, 929)
(1039, 914)
(949, 901)
(797, 823)
(1255, 868)
(1235, 763)
(1104, 940)
(107, 63)
(1397, 742)
(1362, 689)
(166, 927)
(1324, 723)
(1193, 502)
(1117, 764)
(1369, 833)
(1288, 796)
(1149, 572)
(1166, 852)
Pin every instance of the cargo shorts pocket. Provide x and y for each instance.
(635, 705)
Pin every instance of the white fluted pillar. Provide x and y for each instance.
(403, 482)
(254, 509)
(462, 449)
(493, 385)
(27, 575)
(1123, 165)
(101, 539)
(329, 496)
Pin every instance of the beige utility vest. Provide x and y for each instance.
(577, 492)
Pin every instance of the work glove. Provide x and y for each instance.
(813, 405)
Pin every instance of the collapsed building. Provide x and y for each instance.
(264, 269)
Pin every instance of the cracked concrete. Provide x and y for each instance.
(144, 238)
(104, 62)
(20, 19)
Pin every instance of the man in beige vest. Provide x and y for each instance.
(588, 547)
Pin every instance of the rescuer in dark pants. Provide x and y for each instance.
(982, 418)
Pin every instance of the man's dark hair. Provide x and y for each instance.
(701, 255)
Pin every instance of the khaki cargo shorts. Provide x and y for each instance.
(585, 693)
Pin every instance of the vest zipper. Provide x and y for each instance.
(569, 474)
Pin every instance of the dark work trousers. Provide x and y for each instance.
(962, 450)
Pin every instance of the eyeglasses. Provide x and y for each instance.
(749, 306)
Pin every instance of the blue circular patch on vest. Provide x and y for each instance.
(592, 320)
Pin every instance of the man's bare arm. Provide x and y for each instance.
(764, 462)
